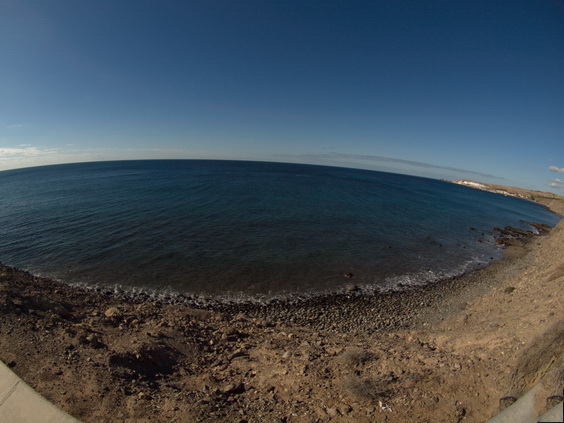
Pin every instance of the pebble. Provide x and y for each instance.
(112, 312)
(332, 412)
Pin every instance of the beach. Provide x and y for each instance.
(459, 350)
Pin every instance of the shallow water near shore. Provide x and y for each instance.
(247, 230)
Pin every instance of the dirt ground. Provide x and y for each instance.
(460, 352)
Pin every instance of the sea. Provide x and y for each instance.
(247, 231)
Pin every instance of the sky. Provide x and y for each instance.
(441, 89)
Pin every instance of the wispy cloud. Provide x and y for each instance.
(382, 159)
(24, 150)
(556, 183)
(26, 155)
(556, 169)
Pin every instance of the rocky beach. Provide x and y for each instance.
(458, 350)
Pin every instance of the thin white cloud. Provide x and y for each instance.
(556, 183)
(556, 169)
(20, 157)
(382, 159)
(7, 153)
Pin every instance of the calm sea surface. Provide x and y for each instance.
(247, 229)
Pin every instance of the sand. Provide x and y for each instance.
(456, 351)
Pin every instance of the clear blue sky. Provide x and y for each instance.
(453, 89)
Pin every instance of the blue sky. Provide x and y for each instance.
(442, 89)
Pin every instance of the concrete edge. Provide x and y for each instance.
(524, 410)
(554, 415)
(19, 403)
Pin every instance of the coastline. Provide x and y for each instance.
(446, 352)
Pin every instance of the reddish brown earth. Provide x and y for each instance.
(448, 353)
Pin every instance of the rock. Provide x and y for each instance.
(352, 288)
(553, 401)
(94, 341)
(233, 389)
(332, 412)
(348, 275)
(112, 312)
(17, 302)
(344, 408)
(506, 402)
(238, 353)
(264, 323)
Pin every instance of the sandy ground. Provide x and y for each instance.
(458, 351)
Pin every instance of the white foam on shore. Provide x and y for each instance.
(391, 284)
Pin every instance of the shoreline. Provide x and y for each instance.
(337, 311)
(446, 352)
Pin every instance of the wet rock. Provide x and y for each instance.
(352, 288)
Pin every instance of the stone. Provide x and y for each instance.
(352, 288)
(233, 389)
(112, 312)
(238, 353)
(506, 402)
(332, 412)
(17, 302)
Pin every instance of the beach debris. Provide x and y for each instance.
(384, 407)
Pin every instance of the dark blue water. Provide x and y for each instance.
(247, 229)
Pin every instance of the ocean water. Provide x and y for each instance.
(251, 230)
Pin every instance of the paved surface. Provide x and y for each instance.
(523, 411)
(555, 414)
(19, 403)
